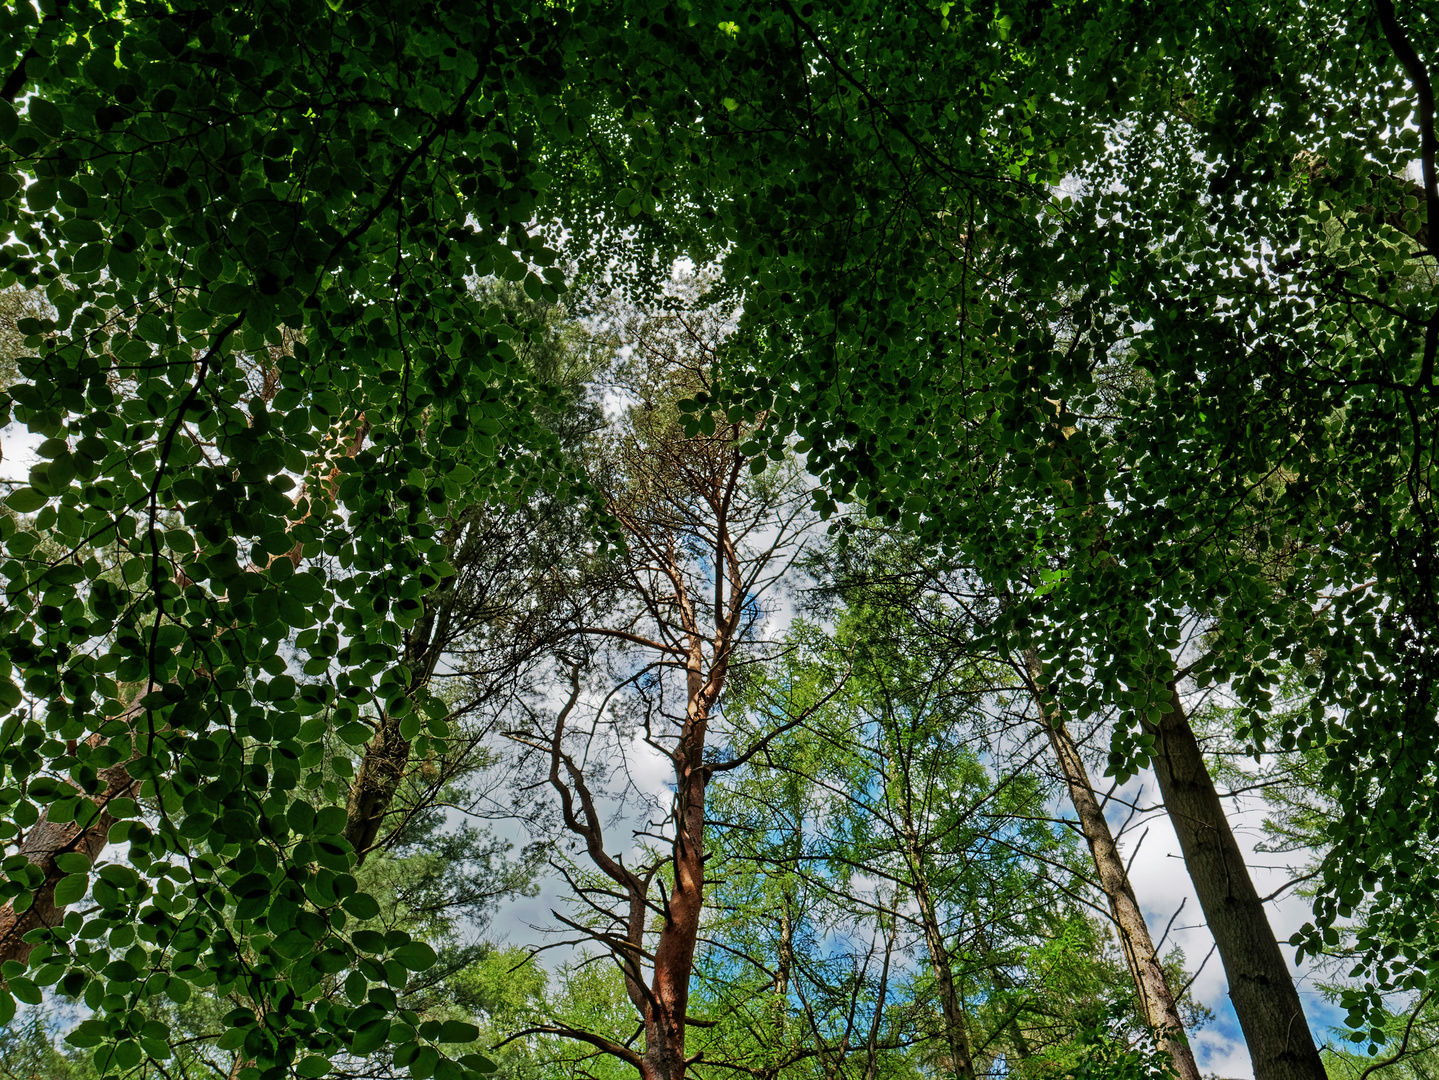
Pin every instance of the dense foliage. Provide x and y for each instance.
(1129, 310)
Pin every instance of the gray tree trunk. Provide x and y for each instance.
(1260, 986)
(1157, 1003)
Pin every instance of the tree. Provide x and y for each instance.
(1280, 366)
(878, 814)
(874, 567)
(226, 188)
(194, 188)
(667, 619)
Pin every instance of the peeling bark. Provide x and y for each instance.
(46, 841)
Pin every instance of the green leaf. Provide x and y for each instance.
(361, 906)
(293, 944)
(456, 1031)
(405, 1053)
(368, 941)
(81, 230)
(416, 956)
(330, 821)
(424, 1062)
(313, 1065)
(87, 1033)
(25, 990)
(71, 888)
(370, 1037)
(46, 116)
(122, 877)
(356, 733)
(25, 500)
(90, 258)
(231, 1039)
(230, 299)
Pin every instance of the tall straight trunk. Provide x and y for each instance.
(1260, 986)
(871, 1055)
(785, 967)
(1160, 1010)
(784, 970)
(955, 1029)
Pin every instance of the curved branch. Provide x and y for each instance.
(608, 1046)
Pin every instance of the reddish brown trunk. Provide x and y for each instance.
(676, 490)
(664, 1056)
(46, 841)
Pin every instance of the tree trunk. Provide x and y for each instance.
(46, 841)
(666, 1018)
(955, 1030)
(376, 780)
(1157, 1003)
(785, 966)
(387, 755)
(1260, 986)
(871, 1055)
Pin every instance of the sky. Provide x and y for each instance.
(1160, 882)
(1157, 874)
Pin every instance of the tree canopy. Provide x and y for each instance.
(1131, 310)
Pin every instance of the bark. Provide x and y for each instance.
(664, 1056)
(955, 1029)
(387, 755)
(377, 779)
(662, 1004)
(1260, 986)
(785, 967)
(47, 840)
(871, 1057)
(1157, 1002)
(665, 1019)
